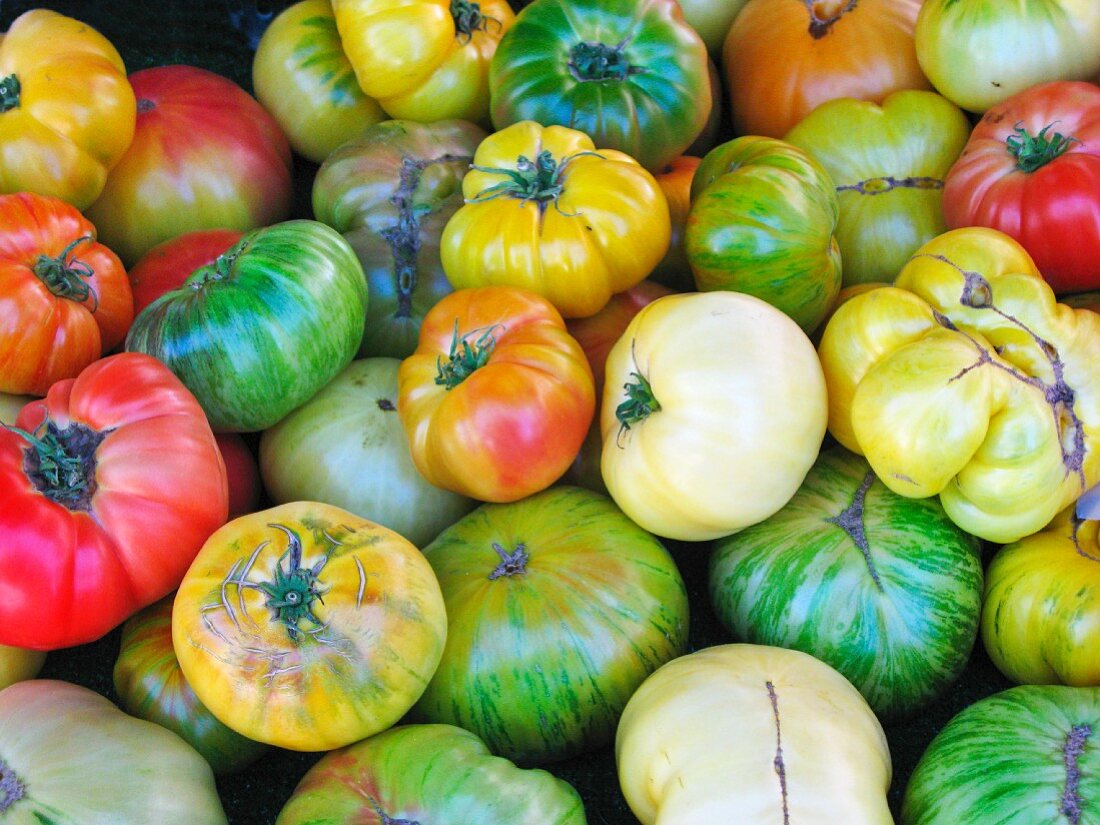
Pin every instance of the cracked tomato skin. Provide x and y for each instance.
(967, 380)
(307, 627)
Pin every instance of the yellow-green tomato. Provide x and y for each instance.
(713, 411)
(10, 405)
(1041, 613)
(888, 162)
(302, 76)
(17, 664)
(755, 734)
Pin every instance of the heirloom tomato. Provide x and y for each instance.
(346, 446)
(558, 607)
(884, 588)
(1023, 755)
(979, 52)
(630, 74)
(390, 192)
(150, 686)
(107, 490)
(67, 111)
(242, 472)
(71, 756)
(965, 379)
(10, 405)
(64, 297)
(748, 733)
(784, 58)
(308, 627)
(205, 155)
(712, 20)
(762, 221)
(1031, 169)
(424, 60)
(1041, 618)
(549, 212)
(497, 397)
(303, 78)
(259, 331)
(675, 178)
(167, 265)
(428, 773)
(17, 664)
(713, 411)
(888, 163)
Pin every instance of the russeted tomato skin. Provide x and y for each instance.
(497, 397)
(559, 606)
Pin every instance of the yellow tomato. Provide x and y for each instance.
(713, 412)
(67, 111)
(549, 212)
(308, 627)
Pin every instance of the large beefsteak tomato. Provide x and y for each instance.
(105, 498)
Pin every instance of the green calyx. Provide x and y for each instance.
(590, 62)
(67, 277)
(1035, 151)
(468, 18)
(61, 462)
(640, 403)
(540, 180)
(293, 590)
(465, 357)
(9, 93)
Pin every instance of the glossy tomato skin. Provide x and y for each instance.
(513, 424)
(64, 297)
(151, 686)
(205, 155)
(631, 74)
(167, 265)
(1053, 209)
(127, 538)
(343, 658)
(257, 333)
(783, 58)
(302, 76)
(67, 112)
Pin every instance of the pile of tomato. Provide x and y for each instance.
(486, 401)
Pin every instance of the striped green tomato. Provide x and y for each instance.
(558, 606)
(1024, 756)
(886, 589)
(258, 332)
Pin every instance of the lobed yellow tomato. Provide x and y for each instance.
(549, 212)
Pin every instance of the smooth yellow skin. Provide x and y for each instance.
(698, 742)
(382, 633)
(980, 52)
(605, 233)
(742, 414)
(963, 412)
(77, 110)
(409, 56)
(888, 163)
(1041, 611)
(302, 76)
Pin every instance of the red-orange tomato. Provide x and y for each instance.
(64, 298)
(783, 58)
(243, 473)
(167, 265)
(674, 271)
(497, 397)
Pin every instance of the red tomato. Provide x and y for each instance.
(167, 265)
(105, 499)
(64, 298)
(1032, 170)
(205, 155)
(243, 473)
(497, 397)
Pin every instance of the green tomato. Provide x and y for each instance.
(1024, 756)
(346, 447)
(631, 74)
(886, 589)
(762, 221)
(430, 774)
(558, 606)
(390, 192)
(263, 328)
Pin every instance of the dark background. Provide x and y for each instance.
(201, 34)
